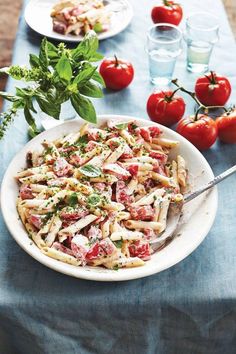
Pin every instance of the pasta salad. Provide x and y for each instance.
(99, 195)
(77, 17)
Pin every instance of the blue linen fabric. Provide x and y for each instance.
(188, 309)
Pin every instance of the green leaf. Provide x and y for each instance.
(51, 108)
(90, 171)
(118, 243)
(97, 77)
(96, 57)
(43, 54)
(34, 61)
(30, 119)
(91, 90)
(122, 126)
(84, 107)
(73, 200)
(19, 104)
(94, 200)
(89, 45)
(85, 74)
(64, 69)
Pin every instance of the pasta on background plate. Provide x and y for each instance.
(99, 195)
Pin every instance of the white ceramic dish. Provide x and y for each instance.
(197, 221)
(37, 16)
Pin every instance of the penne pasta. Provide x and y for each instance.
(98, 195)
(134, 224)
(181, 171)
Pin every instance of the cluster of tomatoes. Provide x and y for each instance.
(168, 108)
(211, 91)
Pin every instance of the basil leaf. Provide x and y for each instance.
(48, 107)
(96, 57)
(84, 107)
(91, 90)
(118, 243)
(97, 77)
(121, 126)
(34, 61)
(94, 200)
(89, 44)
(43, 54)
(64, 69)
(30, 120)
(73, 200)
(90, 171)
(85, 75)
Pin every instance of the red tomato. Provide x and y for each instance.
(213, 89)
(169, 12)
(165, 109)
(26, 192)
(140, 249)
(143, 212)
(226, 125)
(201, 132)
(117, 73)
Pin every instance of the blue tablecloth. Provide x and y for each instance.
(188, 309)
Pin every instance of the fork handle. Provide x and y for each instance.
(211, 184)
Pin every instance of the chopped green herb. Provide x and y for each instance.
(116, 267)
(122, 126)
(73, 200)
(94, 199)
(82, 141)
(118, 243)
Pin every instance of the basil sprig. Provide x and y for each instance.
(56, 75)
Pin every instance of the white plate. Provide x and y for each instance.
(198, 214)
(37, 16)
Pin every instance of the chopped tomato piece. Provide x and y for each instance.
(26, 192)
(133, 169)
(59, 247)
(36, 220)
(71, 214)
(122, 193)
(61, 167)
(156, 155)
(140, 249)
(80, 247)
(144, 212)
(127, 154)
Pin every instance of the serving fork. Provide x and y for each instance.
(175, 210)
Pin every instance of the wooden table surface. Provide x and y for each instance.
(10, 13)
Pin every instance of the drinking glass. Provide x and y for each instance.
(202, 32)
(163, 48)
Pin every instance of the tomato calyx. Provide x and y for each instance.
(116, 61)
(212, 78)
(167, 3)
(169, 98)
(193, 96)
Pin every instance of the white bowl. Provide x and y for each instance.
(198, 217)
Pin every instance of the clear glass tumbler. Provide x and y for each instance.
(202, 32)
(164, 44)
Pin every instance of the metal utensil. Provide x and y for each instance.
(175, 210)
